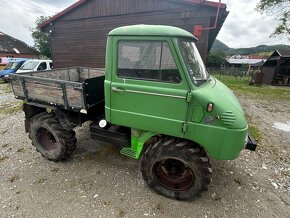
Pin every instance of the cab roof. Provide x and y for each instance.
(150, 30)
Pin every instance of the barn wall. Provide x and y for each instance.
(99, 8)
(79, 38)
(268, 74)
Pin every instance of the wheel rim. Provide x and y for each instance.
(46, 139)
(173, 174)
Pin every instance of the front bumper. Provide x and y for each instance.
(251, 143)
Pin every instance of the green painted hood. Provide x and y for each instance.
(227, 112)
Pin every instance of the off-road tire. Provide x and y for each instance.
(196, 165)
(30, 111)
(45, 132)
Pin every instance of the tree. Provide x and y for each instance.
(279, 8)
(41, 39)
(216, 59)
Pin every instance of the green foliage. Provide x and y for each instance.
(247, 51)
(215, 59)
(41, 39)
(281, 9)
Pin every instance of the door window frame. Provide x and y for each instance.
(116, 79)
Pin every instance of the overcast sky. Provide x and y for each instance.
(244, 27)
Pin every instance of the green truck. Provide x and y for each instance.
(154, 98)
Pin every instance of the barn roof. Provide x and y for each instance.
(284, 53)
(80, 2)
(153, 30)
(9, 44)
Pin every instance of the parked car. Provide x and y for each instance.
(35, 65)
(11, 67)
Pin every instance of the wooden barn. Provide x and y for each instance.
(78, 34)
(276, 70)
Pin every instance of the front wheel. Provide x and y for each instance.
(177, 169)
(50, 138)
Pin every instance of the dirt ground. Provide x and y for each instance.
(99, 182)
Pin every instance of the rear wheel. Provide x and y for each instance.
(177, 169)
(50, 138)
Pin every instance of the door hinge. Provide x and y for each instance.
(184, 127)
(189, 97)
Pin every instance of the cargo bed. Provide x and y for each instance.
(74, 88)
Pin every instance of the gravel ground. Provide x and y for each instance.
(99, 182)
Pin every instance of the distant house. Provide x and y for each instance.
(238, 61)
(79, 33)
(276, 70)
(14, 48)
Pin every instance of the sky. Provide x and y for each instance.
(244, 26)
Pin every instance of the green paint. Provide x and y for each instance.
(170, 110)
(138, 138)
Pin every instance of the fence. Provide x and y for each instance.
(229, 71)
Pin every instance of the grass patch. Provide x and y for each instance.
(241, 85)
(254, 129)
(11, 109)
(5, 87)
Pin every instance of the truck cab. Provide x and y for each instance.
(156, 81)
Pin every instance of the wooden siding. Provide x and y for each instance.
(83, 42)
(268, 73)
(100, 8)
(79, 37)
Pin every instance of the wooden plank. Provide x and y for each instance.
(74, 97)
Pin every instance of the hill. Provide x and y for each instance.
(220, 46)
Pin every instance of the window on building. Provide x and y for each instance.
(148, 60)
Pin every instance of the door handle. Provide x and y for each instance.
(115, 89)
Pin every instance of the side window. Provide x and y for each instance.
(147, 60)
(42, 66)
(51, 65)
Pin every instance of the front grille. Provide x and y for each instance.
(228, 118)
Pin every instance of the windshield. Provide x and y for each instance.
(29, 65)
(193, 62)
(11, 66)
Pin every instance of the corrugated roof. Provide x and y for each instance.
(80, 2)
(285, 52)
(8, 44)
(245, 61)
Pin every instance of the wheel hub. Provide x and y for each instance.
(173, 174)
(46, 139)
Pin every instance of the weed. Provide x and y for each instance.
(3, 157)
(13, 179)
(20, 150)
(5, 87)
(253, 129)
(11, 109)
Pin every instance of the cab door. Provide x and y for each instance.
(148, 89)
